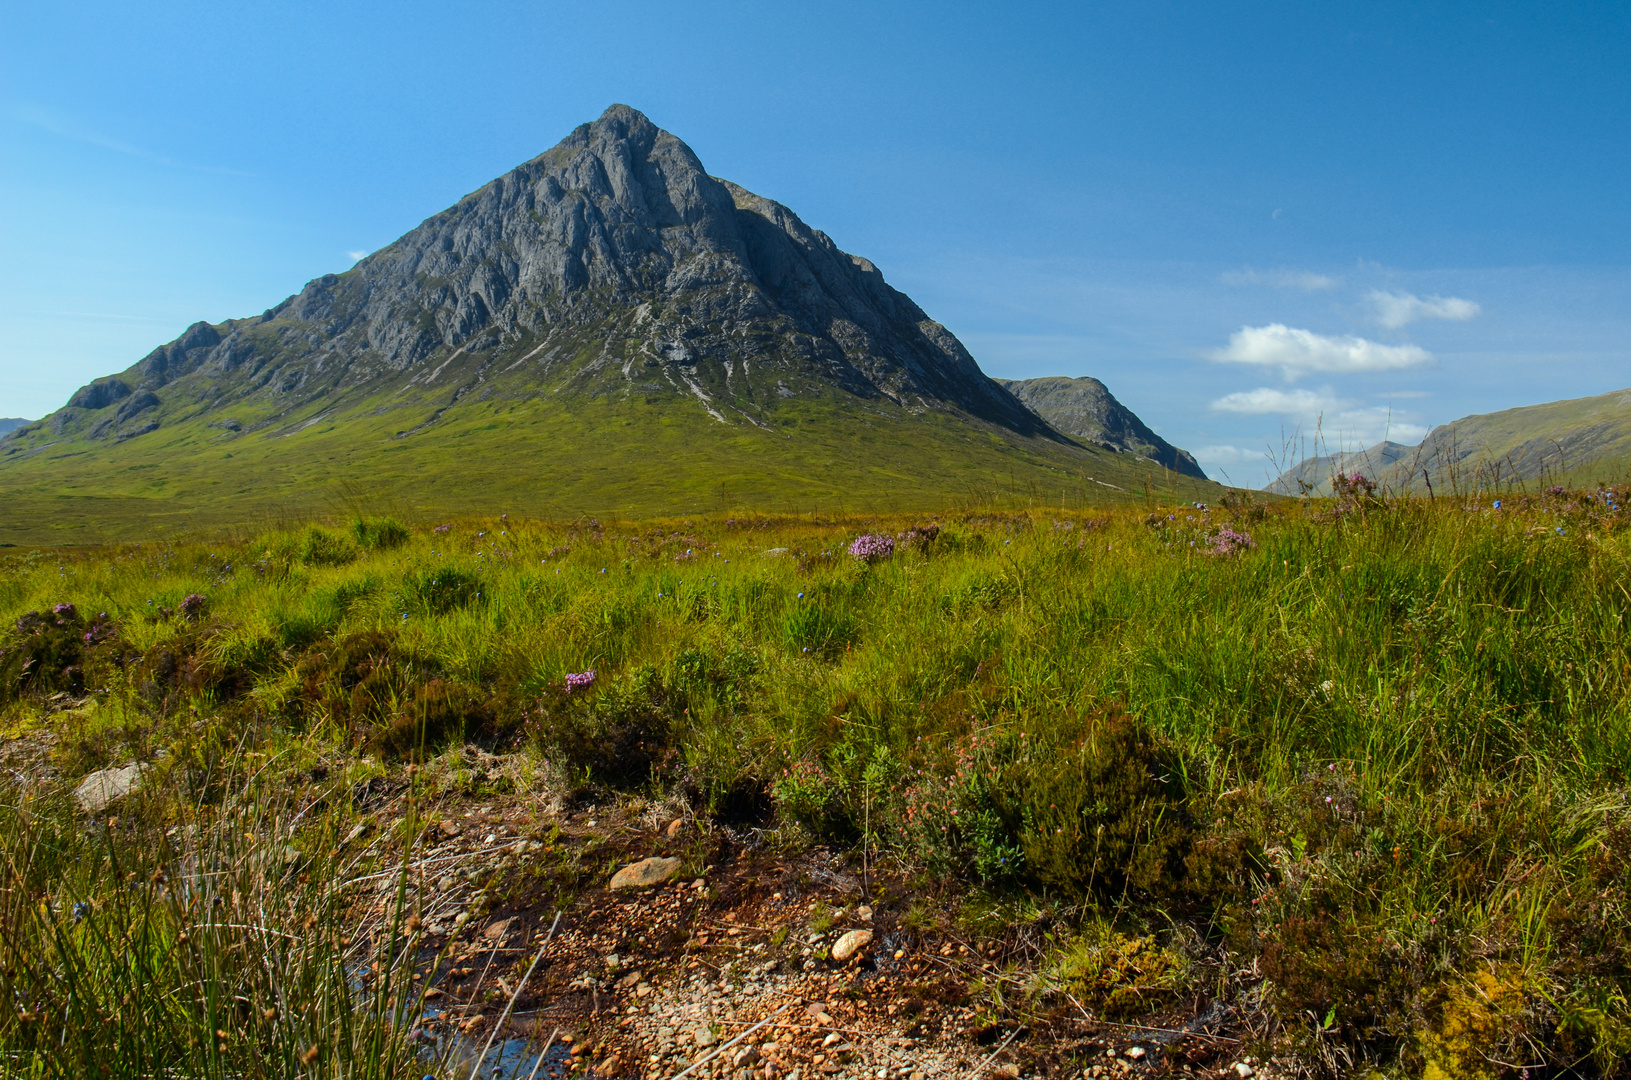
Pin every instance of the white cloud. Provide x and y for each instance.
(1394, 310)
(354, 256)
(1298, 352)
(1305, 280)
(1267, 400)
(1336, 423)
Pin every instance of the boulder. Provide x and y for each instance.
(645, 873)
(106, 786)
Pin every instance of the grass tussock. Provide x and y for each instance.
(1358, 769)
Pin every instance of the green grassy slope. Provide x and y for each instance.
(1573, 443)
(550, 456)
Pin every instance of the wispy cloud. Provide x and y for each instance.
(356, 256)
(1298, 352)
(1305, 280)
(1396, 309)
(1266, 400)
(1342, 423)
(67, 127)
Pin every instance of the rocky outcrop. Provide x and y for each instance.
(99, 394)
(1085, 409)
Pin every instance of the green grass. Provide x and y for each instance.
(558, 447)
(1380, 758)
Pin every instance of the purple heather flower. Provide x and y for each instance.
(872, 548)
(65, 611)
(192, 606)
(580, 680)
(1229, 542)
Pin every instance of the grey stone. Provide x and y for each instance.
(102, 788)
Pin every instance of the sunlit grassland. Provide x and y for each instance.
(1379, 759)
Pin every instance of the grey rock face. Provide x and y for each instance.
(99, 394)
(1086, 409)
(138, 402)
(612, 263)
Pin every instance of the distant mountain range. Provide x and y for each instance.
(1577, 442)
(12, 423)
(606, 329)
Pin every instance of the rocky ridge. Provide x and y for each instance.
(1085, 409)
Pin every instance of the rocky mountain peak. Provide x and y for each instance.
(611, 263)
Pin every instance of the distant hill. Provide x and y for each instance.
(1577, 442)
(11, 423)
(1313, 476)
(1085, 409)
(606, 329)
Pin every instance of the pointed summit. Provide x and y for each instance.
(610, 269)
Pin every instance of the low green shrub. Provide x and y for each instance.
(619, 733)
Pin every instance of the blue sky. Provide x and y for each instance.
(1241, 217)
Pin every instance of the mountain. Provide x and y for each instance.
(12, 423)
(604, 329)
(1578, 442)
(1085, 409)
(1313, 476)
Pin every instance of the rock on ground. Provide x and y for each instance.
(646, 872)
(104, 787)
(851, 944)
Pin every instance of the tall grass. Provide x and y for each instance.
(197, 941)
(1389, 743)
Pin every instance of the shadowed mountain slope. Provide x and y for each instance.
(604, 329)
(1085, 409)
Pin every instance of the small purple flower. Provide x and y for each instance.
(580, 680)
(192, 606)
(1229, 542)
(872, 548)
(65, 612)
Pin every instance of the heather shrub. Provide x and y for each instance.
(45, 651)
(359, 681)
(618, 734)
(1106, 813)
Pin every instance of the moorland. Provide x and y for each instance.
(1306, 787)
